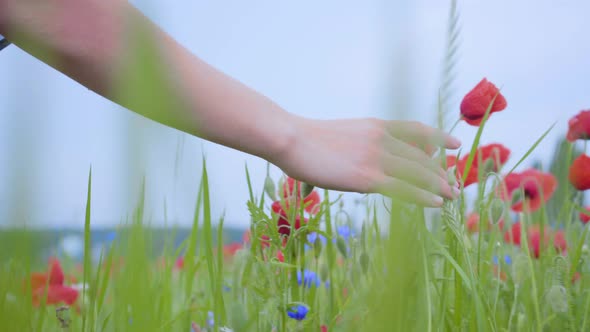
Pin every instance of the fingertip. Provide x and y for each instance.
(453, 143)
(437, 201)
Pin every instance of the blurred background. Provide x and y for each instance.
(323, 59)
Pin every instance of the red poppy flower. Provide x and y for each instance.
(229, 250)
(52, 285)
(476, 102)
(323, 328)
(585, 217)
(538, 188)
(497, 155)
(280, 256)
(264, 239)
(179, 263)
(579, 126)
(311, 202)
(472, 176)
(534, 235)
(576, 277)
(283, 223)
(580, 172)
(559, 241)
(492, 155)
(513, 235)
(472, 223)
(451, 161)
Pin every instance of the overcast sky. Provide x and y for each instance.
(325, 59)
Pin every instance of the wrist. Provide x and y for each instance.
(283, 136)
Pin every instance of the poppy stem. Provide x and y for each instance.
(455, 125)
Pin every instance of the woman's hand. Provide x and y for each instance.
(369, 156)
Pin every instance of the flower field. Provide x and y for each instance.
(512, 257)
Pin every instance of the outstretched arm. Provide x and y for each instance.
(111, 48)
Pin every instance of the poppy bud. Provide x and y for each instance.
(496, 211)
(269, 188)
(342, 247)
(317, 247)
(363, 237)
(557, 298)
(489, 166)
(520, 269)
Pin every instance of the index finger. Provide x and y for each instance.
(419, 133)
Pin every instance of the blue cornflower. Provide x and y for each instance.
(298, 312)
(226, 288)
(309, 278)
(345, 231)
(507, 260)
(210, 319)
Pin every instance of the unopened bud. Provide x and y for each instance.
(342, 247)
(496, 211)
(489, 166)
(317, 247)
(557, 298)
(585, 249)
(269, 188)
(364, 262)
(520, 269)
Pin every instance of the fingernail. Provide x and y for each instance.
(455, 142)
(456, 191)
(437, 201)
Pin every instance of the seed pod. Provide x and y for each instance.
(489, 166)
(557, 298)
(269, 188)
(317, 247)
(520, 269)
(496, 211)
(342, 246)
(364, 262)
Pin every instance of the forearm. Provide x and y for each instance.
(95, 43)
